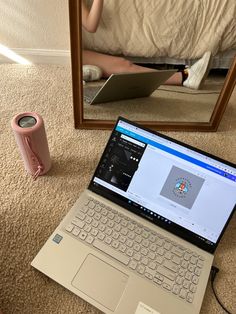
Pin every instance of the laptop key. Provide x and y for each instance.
(87, 228)
(149, 276)
(158, 281)
(189, 297)
(133, 265)
(177, 251)
(183, 293)
(197, 271)
(94, 232)
(188, 275)
(166, 273)
(195, 280)
(101, 235)
(91, 212)
(110, 251)
(141, 269)
(88, 220)
(137, 256)
(191, 268)
(193, 288)
(176, 289)
(122, 248)
(176, 260)
(159, 277)
(89, 239)
(108, 240)
(83, 235)
(76, 231)
(77, 222)
(98, 208)
(80, 215)
(168, 264)
(84, 209)
(69, 227)
(200, 264)
(166, 286)
(91, 204)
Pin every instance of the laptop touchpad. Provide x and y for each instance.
(100, 281)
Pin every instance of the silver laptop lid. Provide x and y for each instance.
(178, 187)
(121, 86)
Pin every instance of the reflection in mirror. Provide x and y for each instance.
(167, 103)
(129, 30)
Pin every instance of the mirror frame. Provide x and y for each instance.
(77, 88)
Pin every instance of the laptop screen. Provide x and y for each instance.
(184, 190)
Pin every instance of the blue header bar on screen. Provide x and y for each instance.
(176, 153)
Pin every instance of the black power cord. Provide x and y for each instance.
(214, 271)
(185, 92)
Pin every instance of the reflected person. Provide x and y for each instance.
(99, 65)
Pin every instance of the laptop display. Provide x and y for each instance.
(188, 192)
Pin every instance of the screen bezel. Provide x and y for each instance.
(173, 228)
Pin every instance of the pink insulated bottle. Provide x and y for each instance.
(30, 135)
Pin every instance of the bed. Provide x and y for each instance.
(166, 31)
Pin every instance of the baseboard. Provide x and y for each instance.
(40, 56)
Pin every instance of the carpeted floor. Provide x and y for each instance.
(31, 210)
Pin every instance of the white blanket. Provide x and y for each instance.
(154, 28)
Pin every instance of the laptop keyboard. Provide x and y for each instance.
(149, 254)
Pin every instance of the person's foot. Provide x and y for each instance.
(198, 72)
(91, 73)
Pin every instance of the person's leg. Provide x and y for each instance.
(175, 79)
(112, 64)
(192, 78)
(195, 76)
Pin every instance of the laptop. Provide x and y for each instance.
(126, 86)
(141, 238)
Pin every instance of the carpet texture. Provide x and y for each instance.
(31, 210)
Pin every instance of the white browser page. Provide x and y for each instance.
(214, 196)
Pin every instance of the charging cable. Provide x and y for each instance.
(214, 271)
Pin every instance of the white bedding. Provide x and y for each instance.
(182, 29)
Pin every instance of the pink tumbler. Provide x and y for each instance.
(30, 135)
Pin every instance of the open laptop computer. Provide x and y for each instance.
(141, 238)
(126, 86)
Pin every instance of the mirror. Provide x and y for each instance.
(168, 108)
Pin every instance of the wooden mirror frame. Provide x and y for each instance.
(77, 87)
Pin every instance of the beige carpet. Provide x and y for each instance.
(30, 210)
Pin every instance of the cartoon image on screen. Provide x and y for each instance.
(182, 187)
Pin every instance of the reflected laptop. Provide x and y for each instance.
(141, 238)
(126, 86)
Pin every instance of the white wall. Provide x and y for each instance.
(37, 29)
